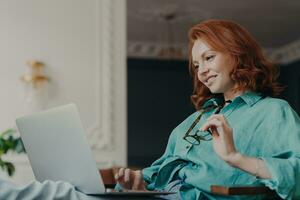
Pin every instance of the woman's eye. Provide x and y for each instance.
(209, 58)
(196, 66)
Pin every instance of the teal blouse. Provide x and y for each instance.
(263, 127)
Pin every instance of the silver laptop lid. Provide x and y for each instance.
(58, 150)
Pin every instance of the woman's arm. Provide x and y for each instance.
(279, 167)
(145, 179)
(254, 166)
(224, 146)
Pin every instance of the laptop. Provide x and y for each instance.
(56, 144)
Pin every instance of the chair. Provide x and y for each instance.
(243, 190)
(108, 176)
(109, 182)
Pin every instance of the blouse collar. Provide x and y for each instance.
(248, 97)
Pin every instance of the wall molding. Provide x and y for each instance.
(286, 54)
(282, 55)
(100, 133)
(108, 133)
(151, 50)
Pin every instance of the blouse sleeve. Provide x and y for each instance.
(281, 153)
(46, 190)
(150, 173)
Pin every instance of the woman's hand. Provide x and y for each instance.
(222, 137)
(130, 179)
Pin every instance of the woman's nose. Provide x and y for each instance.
(202, 69)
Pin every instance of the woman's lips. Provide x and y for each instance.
(211, 79)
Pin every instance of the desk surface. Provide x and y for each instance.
(128, 198)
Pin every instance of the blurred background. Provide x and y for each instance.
(124, 64)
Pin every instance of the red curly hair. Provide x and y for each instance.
(252, 71)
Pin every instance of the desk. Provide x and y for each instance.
(127, 198)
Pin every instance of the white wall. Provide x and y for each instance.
(82, 44)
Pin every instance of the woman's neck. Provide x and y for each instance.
(230, 95)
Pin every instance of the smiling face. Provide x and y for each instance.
(214, 68)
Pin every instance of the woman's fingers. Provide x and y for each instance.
(130, 179)
(120, 174)
(217, 124)
(211, 123)
(214, 132)
(120, 177)
(219, 117)
(138, 180)
(127, 175)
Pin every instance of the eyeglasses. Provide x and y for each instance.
(195, 138)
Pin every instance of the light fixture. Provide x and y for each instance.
(35, 87)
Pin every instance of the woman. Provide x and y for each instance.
(240, 134)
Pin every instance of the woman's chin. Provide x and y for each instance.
(213, 90)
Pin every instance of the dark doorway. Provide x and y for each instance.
(158, 100)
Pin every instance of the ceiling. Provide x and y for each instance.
(274, 23)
